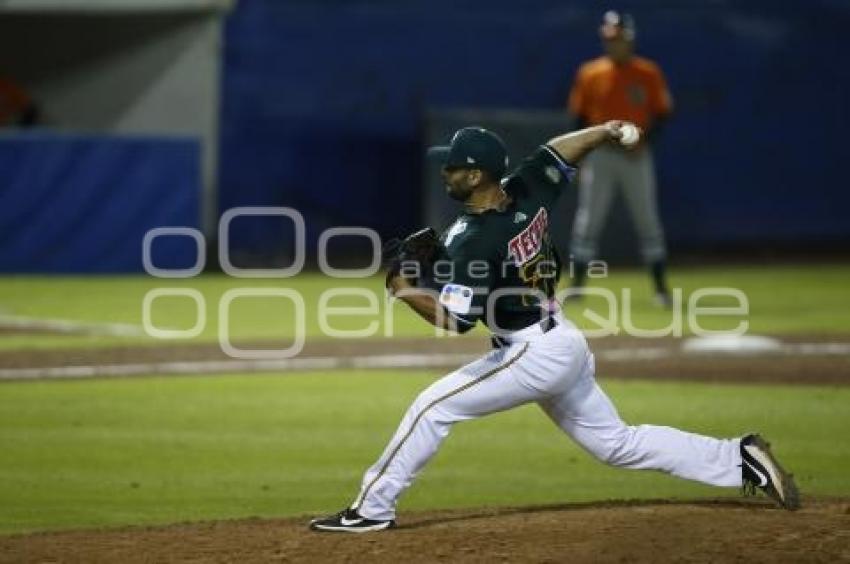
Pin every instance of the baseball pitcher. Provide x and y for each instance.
(496, 265)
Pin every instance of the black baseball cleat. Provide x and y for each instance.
(761, 470)
(349, 521)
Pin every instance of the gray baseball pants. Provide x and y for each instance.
(603, 172)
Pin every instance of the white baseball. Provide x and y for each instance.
(629, 134)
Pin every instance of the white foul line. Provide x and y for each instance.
(224, 366)
(401, 361)
(70, 327)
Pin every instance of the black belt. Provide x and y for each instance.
(546, 325)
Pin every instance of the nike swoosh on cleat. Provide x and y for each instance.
(350, 522)
(761, 476)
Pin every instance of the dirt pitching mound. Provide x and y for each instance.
(650, 531)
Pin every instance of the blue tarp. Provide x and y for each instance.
(84, 203)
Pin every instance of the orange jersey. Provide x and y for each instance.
(635, 91)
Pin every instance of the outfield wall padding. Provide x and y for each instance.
(82, 204)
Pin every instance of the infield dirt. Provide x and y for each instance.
(708, 531)
(617, 357)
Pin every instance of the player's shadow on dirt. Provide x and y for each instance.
(720, 503)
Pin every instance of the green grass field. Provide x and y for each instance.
(166, 449)
(158, 450)
(782, 300)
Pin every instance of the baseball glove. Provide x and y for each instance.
(415, 253)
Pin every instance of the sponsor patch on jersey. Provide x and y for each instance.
(564, 169)
(456, 298)
(528, 243)
(553, 174)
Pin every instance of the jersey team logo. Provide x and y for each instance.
(528, 243)
(637, 94)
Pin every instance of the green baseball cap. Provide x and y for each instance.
(473, 147)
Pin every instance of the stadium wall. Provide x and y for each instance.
(324, 106)
(149, 67)
(83, 203)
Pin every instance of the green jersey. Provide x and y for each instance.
(501, 267)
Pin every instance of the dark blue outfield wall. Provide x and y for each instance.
(72, 204)
(323, 102)
(323, 105)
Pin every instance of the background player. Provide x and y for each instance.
(503, 273)
(620, 85)
(16, 106)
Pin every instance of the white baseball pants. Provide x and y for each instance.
(556, 370)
